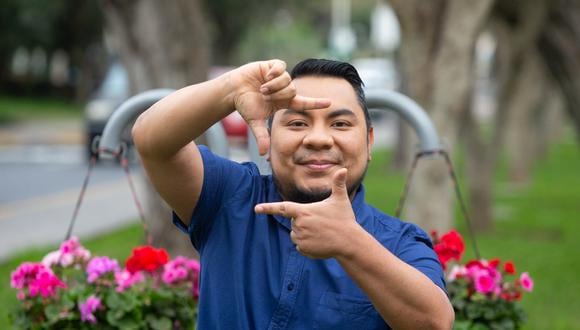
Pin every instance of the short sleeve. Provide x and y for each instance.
(222, 180)
(415, 248)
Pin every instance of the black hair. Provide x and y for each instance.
(331, 68)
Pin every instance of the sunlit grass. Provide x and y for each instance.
(22, 108)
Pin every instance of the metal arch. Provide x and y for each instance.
(129, 110)
(412, 112)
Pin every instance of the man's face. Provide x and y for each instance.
(307, 147)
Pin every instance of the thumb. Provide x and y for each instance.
(260, 130)
(339, 183)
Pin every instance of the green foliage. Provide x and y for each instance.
(290, 41)
(535, 226)
(20, 109)
(66, 24)
(479, 312)
(156, 298)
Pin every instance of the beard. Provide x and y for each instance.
(291, 192)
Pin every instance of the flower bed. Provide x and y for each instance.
(485, 294)
(71, 289)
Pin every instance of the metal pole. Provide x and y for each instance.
(410, 111)
(110, 142)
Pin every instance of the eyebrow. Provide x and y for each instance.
(333, 114)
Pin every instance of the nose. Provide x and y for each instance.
(318, 138)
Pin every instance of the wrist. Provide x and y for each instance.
(229, 86)
(356, 238)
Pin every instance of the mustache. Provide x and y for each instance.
(307, 156)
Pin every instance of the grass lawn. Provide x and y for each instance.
(536, 229)
(535, 226)
(20, 108)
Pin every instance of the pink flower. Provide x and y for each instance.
(484, 284)
(526, 282)
(88, 308)
(125, 279)
(26, 272)
(99, 266)
(37, 278)
(52, 258)
(70, 252)
(456, 272)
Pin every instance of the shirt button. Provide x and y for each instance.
(290, 286)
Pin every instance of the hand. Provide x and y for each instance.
(262, 88)
(324, 229)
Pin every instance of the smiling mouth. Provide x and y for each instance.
(319, 166)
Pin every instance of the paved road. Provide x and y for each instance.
(37, 201)
(41, 172)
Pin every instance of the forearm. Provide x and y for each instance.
(176, 120)
(404, 297)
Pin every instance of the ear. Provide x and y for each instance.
(267, 155)
(370, 143)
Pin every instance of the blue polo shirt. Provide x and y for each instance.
(252, 277)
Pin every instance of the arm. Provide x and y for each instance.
(405, 298)
(164, 133)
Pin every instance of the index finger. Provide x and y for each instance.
(300, 102)
(285, 209)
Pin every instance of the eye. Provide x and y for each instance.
(341, 124)
(297, 123)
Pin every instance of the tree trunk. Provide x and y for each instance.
(437, 55)
(520, 136)
(560, 47)
(160, 44)
(516, 26)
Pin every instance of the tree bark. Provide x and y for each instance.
(161, 45)
(559, 45)
(520, 133)
(516, 26)
(437, 55)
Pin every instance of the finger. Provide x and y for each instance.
(260, 130)
(285, 94)
(339, 183)
(300, 102)
(298, 249)
(276, 68)
(285, 209)
(293, 236)
(278, 83)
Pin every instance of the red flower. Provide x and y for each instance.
(146, 258)
(449, 247)
(509, 267)
(493, 263)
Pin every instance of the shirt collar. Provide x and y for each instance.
(273, 196)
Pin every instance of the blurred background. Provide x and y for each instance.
(500, 80)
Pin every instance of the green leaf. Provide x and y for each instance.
(114, 315)
(473, 311)
(52, 313)
(159, 323)
(462, 325)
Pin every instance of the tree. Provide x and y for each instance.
(161, 45)
(438, 39)
(67, 25)
(559, 46)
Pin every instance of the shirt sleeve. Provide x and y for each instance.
(223, 179)
(415, 248)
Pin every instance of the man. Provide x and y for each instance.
(299, 249)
